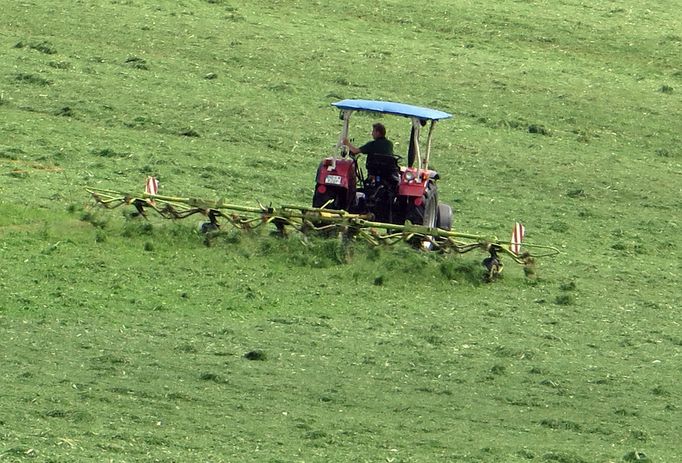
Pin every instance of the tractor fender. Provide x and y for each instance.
(412, 189)
(340, 175)
(415, 187)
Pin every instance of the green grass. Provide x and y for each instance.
(127, 340)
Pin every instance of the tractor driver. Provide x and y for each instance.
(378, 145)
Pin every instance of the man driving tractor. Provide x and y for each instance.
(379, 151)
(378, 145)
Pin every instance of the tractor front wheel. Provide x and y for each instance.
(426, 213)
(444, 217)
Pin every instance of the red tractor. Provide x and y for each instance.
(391, 193)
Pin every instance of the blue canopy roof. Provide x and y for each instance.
(389, 107)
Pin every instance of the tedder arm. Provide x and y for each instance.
(309, 219)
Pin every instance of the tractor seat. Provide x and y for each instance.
(384, 166)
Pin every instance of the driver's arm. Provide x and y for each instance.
(351, 148)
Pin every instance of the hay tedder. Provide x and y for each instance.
(390, 204)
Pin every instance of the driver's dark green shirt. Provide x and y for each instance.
(378, 146)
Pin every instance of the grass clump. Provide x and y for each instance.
(137, 63)
(257, 355)
(96, 220)
(137, 227)
(564, 299)
(636, 456)
(42, 47)
(191, 133)
(109, 153)
(458, 271)
(32, 79)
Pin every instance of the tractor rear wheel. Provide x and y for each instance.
(333, 198)
(444, 217)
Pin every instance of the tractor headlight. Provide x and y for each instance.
(410, 176)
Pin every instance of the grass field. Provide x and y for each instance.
(124, 340)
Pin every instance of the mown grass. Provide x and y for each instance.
(132, 340)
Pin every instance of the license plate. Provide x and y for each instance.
(333, 179)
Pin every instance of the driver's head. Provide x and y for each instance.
(378, 130)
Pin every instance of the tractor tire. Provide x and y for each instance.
(444, 217)
(332, 198)
(425, 214)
